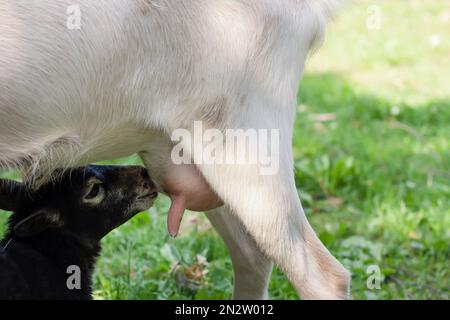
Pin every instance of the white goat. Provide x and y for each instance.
(136, 70)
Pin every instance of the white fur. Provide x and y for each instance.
(137, 70)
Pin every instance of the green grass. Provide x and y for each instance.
(374, 179)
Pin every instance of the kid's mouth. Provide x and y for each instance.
(151, 195)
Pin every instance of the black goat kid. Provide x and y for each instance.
(53, 237)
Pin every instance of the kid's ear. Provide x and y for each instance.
(38, 222)
(10, 191)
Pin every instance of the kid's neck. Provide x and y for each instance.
(63, 249)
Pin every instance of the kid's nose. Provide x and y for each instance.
(145, 176)
(147, 185)
(147, 182)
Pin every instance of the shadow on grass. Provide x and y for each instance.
(373, 177)
(359, 135)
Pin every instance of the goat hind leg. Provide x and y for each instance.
(252, 269)
(271, 212)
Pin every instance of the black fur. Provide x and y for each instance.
(62, 224)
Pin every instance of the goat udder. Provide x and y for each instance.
(187, 189)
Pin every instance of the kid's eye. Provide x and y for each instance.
(95, 191)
